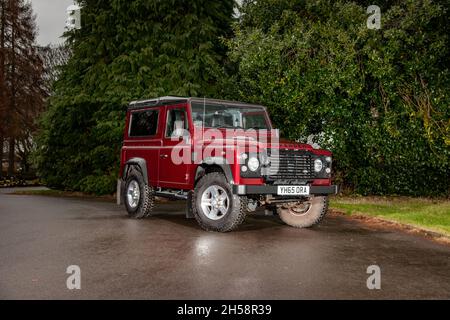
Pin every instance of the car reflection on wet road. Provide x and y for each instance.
(169, 257)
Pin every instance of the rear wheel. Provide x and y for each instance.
(215, 207)
(138, 197)
(304, 214)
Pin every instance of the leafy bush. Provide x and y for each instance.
(379, 99)
(18, 182)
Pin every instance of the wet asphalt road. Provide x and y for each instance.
(169, 257)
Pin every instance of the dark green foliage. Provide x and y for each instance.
(125, 50)
(379, 99)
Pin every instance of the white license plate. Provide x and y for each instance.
(293, 190)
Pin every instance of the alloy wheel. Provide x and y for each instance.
(215, 202)
(133, 194)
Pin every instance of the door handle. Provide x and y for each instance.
(164, 156)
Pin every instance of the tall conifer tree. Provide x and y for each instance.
(21, 86)
(125, 50)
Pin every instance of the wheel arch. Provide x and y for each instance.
(214, 164)
(140, 164)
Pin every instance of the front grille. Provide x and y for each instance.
(290, 165)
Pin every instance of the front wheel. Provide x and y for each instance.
(215, 207)
(304, 214)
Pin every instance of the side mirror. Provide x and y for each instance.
(181, 136)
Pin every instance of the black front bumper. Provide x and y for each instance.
(272, 189)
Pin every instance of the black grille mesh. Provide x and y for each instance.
(290, 164)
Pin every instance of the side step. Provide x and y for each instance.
(171, 195)
(178, 196)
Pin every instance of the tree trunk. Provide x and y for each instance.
(21, 82)
(2, 83)
(1, 155)
(12, 141)
(11, 156)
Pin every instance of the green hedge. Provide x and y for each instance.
(379, 99)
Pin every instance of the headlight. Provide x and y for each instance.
(318, 165)
(253, 163)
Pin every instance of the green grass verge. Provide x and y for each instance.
(428, 214)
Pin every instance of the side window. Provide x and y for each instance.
(143, 123)
(177, 123)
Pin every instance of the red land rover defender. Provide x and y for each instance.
(224, 158)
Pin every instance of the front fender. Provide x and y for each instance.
(215, 161)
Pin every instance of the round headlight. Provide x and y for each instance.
(318, 165)
(253, 164)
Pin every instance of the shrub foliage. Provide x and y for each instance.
(379, 99)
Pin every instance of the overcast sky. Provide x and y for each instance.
(51, 19)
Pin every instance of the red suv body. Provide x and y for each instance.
(224, 158)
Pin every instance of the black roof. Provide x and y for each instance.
(161, 101)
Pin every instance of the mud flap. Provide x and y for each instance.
(119, 192)
(189, 212)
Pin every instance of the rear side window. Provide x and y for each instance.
(143, 123)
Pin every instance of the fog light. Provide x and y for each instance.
(244, 168)
(318, 165)
(328, 170)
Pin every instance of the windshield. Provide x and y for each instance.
(229, 116)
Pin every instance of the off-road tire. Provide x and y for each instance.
(146, 199)
(237, 209)
(315, 213)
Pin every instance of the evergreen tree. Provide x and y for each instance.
(21, 86)
(125, 50)
(54, 57)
